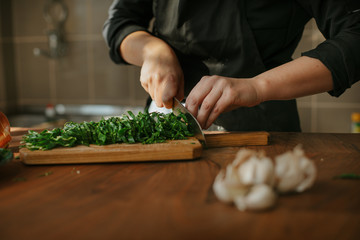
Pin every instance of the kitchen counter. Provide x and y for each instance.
(175, 200)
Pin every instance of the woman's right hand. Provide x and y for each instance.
(161, 75)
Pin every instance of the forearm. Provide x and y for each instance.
(302, 77)
(138, 46)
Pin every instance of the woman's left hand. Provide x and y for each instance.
(215, 94)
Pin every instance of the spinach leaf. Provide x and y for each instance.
(143, 128)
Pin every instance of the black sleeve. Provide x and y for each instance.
(339, 22)
(125, 17)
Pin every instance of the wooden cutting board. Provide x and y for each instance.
(171, 150)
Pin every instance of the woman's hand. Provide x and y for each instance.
(215, 94)
(161, 74)
(301, 77)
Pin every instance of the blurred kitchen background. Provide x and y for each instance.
(81, 83)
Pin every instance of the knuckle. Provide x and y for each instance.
(222, 82)
(206, 105)
(156, 77)
(217, 110)
(191, 100)
(230, 92)
(171, 78)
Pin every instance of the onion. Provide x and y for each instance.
(5, 137)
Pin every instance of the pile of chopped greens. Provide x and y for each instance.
(5, 155)
(143, 128)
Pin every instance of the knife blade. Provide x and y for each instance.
(194, 124)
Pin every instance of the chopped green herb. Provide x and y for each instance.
(143, 128)
(348, 176)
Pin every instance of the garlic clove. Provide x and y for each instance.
(309, 174)
(256, 169)
(226, 191)
(260, 197)
(246, 171)
(242, 156)
(287, 172)
(231, 177)
(220, 189)
(265, 171)
(293, 171)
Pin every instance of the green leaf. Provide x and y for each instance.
(143, 128)
(348, 176)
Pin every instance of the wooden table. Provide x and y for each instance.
(174, 200)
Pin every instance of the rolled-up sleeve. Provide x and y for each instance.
(339, 22)
(125, 17)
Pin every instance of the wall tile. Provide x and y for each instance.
(139, 94)
(99, 14)
(32, 72)
(305, 99)
(77, 21)
(6, 24)
(71, 74)
(305, 119)
(2, 80)
(28, 18)
(350, 95)
(111, 80)
(334, 120)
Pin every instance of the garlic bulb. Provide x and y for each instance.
(294, 171)
(249, 181)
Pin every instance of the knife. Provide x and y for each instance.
(178, 108)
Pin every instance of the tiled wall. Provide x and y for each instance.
(2, 81)
(2, 78)
(8, 94)
(86, 75)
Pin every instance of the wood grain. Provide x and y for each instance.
(171, 150)
(174, 199)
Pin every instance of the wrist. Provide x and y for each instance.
(156, 48)
(261, 86)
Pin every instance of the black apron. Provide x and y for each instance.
(224, 47)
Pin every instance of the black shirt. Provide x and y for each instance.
(237, 38)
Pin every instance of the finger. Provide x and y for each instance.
(180, 93)
(169, 90)
(207, 106)
(144, 83)
(197, 95)
(219, 107)
(153, 90)
(157, 98)
(149, 89)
